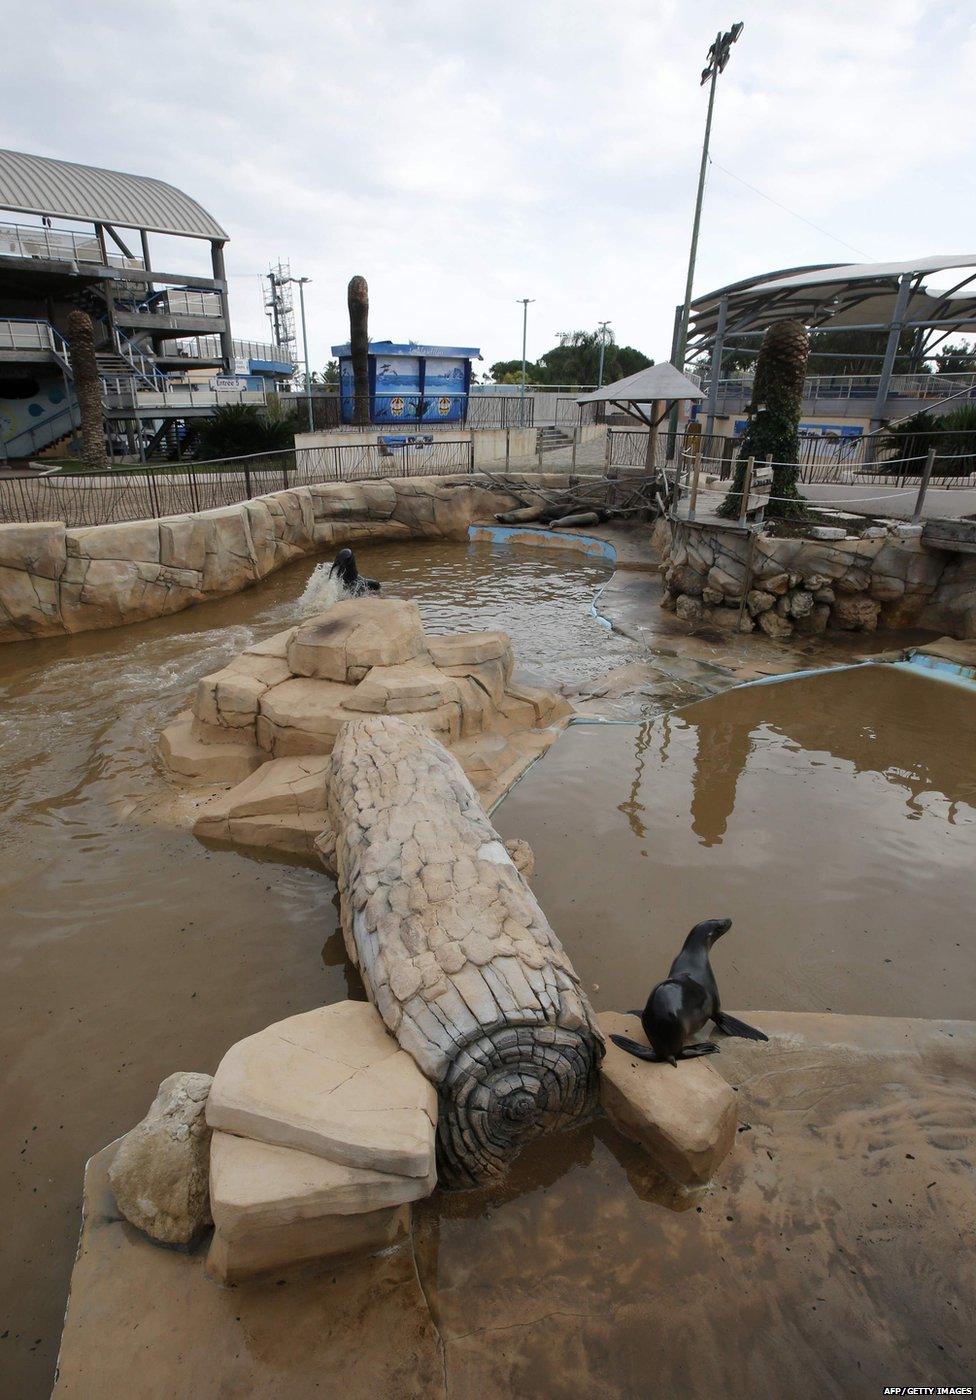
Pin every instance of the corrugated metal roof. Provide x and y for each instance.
(646, 386)
(62, 190)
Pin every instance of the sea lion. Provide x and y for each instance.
(681, 1004)
(344, 568)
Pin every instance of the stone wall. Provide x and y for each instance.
(887, 578)
(54, 580)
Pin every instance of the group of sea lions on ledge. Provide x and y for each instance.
(688, 998)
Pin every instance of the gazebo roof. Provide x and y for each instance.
(648, 385)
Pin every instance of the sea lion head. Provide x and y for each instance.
(711, 930)
(344, 565)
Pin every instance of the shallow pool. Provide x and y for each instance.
(832, 817)
(130, 951)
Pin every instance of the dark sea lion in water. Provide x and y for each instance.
(681, 1004)
(344, 568)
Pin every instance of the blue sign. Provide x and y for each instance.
(410, 383)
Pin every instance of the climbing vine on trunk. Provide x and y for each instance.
(774, 421)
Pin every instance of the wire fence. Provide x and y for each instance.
(112, 497)
(415, 414)
(823, 461)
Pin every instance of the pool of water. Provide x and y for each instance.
(130, 951)
(832, 817)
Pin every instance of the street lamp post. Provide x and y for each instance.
(526, 301)
(718, 57)
(603, 342)
(300, 283)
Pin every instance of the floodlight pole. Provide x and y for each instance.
(300, 283)
(603, 342)
(526, 301)
(718, 57)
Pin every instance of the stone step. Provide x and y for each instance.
(684, 1116)
(408, 688)
(184, 753)
(334, 1083)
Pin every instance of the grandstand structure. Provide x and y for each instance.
(105, 241)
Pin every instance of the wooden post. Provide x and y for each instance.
(923, 486)
(572, 465)
(454, 950)
(694, 489)
(746, 488)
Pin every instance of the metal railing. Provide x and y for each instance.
(823, 460)
(822, 388)
(35, 241)
(112, 497)
(42, 433)
(207, 347)
(21, 333)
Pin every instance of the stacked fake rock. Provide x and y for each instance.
(323, 1135)
(684, 1116)
(454, 949)
(785, 587)
(268, 721)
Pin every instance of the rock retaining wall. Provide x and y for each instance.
(736, 581)
(54, 580)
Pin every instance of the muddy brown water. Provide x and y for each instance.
(831, 817)
(130, 951)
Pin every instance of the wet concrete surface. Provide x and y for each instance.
(826, 1258)
(130, 950)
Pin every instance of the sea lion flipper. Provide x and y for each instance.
(730, 1026)
(703, 1047)
(643, 1052)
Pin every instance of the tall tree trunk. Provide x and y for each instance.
(88, 387)
(774, 420)
(359, 348)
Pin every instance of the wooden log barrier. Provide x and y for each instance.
(455, 951)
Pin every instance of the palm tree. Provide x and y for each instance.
(358, 298)
(774, 421)
(88, 387)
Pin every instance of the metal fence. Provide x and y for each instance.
(111, 497)
(823, 461)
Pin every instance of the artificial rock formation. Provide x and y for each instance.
(323, 1135)
(268, 721)
(454, 949)
(683, 1116)
(726, 579)
(160, 1172)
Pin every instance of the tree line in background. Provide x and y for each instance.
(574, 360)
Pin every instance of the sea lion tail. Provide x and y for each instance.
(643, 1052)
(730, 1026)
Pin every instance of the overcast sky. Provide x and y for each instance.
(460, 156)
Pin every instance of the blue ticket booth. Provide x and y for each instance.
(410, 383)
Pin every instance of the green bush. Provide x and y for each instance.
(241, 430)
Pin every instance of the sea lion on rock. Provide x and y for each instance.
(344, 568)
(681, 1004)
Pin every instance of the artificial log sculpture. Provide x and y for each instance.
(358, 298)
(455, 951)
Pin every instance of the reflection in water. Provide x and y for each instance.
(831, 817)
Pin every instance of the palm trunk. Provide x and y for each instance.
(358, 298)
(88, 388)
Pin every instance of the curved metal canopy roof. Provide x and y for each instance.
(62, 190)
(852, 295)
